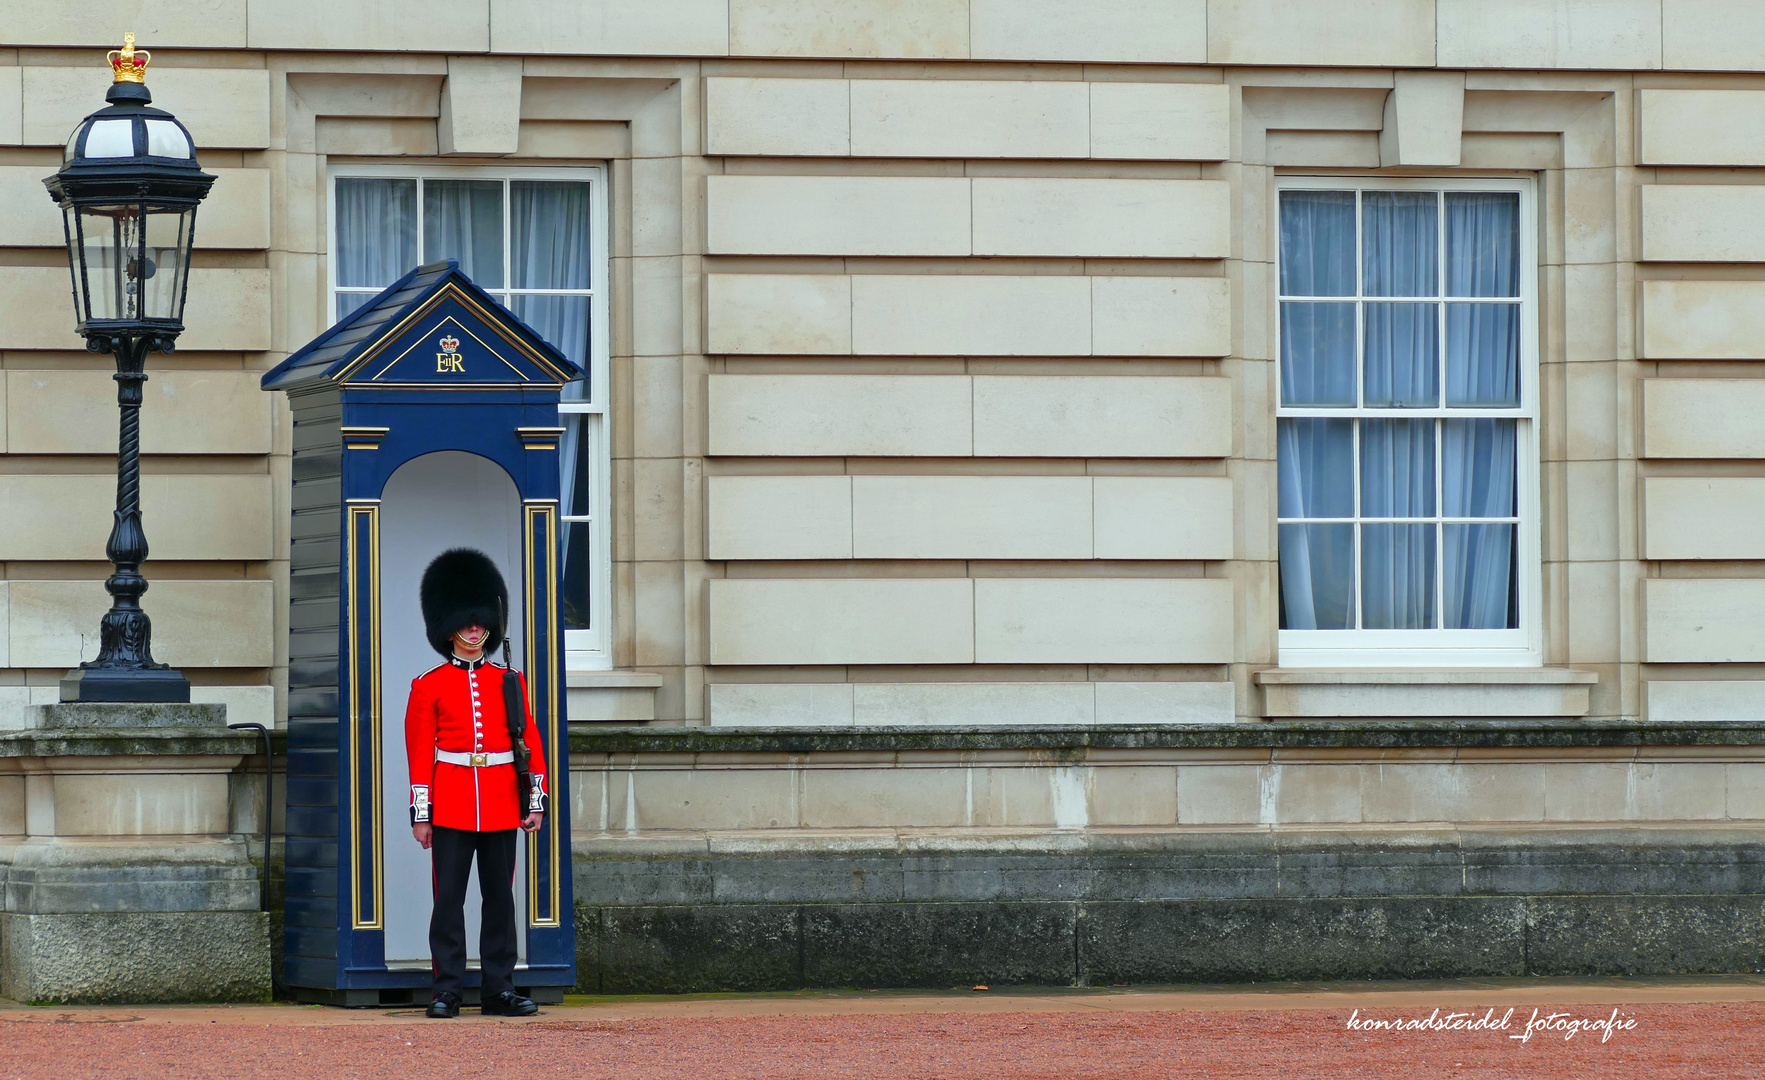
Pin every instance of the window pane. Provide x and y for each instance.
(550, 234)
(1397, 577)
(1317, 577)
(463, 219)
(1480, 580)
(1483, 355)
(348, 302)
(376, 231)
(577, 540)
(1317, 243)
(1315, 458)
(562, 321)
(1397, 468)
(1482, 243)
(1477, 467)
(1402, 349)
(1317, 354)
(1399, 233)
(575, 456)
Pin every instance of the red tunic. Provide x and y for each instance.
(458, 708)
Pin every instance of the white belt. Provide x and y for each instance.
(475, 761)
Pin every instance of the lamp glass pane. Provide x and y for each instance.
(168, 253)
(111, 139)
(167, 139)
(108, 234)
(72, 224)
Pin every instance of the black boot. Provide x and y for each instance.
(444, 1006)
(509, 1003)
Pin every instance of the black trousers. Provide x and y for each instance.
(453, 851)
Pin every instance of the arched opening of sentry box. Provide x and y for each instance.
(445, 499)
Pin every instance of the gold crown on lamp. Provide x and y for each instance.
(130, 63)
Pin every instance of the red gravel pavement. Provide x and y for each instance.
(1073, 1036)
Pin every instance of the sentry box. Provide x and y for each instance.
(424, 420)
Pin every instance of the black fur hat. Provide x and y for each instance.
(462, 588)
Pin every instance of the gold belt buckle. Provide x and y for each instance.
(480, 760)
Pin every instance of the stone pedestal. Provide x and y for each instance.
(120, 880)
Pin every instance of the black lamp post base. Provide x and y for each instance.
(125, 684)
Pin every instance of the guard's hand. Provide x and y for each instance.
(424, 832)
(529, 823)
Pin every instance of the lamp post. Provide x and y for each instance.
(128, 189)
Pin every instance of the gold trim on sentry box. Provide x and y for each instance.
(362, 438)
(364, 515)
(545, 511)
(539, 438)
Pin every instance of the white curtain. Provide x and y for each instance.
(1317, 354)
(1315, 460)
(1401, 347)
(550, 242)
(1399, 243)
(1317, 243)
(550, 248)
(1478, 459)
(376, 235)
(1316, 457)
(463, 219)
(1397, 560)
(1482, 243)
(1410, 564)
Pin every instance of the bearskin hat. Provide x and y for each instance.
(462, 588)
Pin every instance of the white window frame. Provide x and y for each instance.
(1362, 648)
(584, 650)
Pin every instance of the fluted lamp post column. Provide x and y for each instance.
(128, 189)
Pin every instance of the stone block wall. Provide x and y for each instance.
(942, 318)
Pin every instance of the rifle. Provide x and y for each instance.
(530, 796)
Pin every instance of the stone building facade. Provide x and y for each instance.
(946, 356)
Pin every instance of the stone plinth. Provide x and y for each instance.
(120, 878)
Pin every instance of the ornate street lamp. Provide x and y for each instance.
(128, 189)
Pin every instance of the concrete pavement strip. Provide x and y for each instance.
(1446, 994)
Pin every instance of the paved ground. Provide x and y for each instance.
(1659, 1029)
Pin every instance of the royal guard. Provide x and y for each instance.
(476, 777)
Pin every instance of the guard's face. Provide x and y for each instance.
(472, 637)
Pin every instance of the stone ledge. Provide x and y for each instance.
(1275, 735)
(575, 679)
(618, 697)
(113, 716)
(1473, 693)
(90, 742)
(113, 874)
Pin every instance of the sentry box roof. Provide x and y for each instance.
(427, 331)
